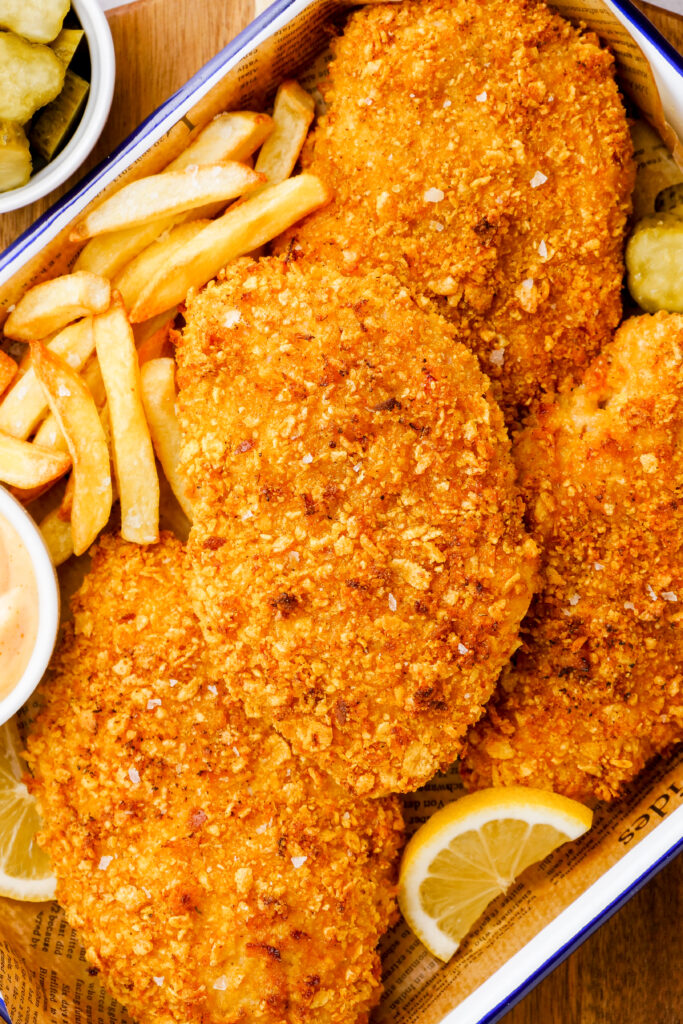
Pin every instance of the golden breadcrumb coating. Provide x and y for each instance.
(213, 877)
(596, 690)
(359, 563)
(480, 152)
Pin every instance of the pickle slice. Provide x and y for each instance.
(15, 156)
(66, 44)
(53, 126)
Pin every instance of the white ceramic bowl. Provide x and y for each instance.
(92, 121)
(48, 604)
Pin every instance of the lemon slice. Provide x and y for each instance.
(471, 850)
(25, 872)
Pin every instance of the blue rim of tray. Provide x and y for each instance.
(651, 32)
(170, 106)
(560, 954)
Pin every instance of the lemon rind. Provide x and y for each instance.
(470, 813)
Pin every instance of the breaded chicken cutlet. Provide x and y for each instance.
(479, 151)
(596, 690)
(212, 877)
(357, 556)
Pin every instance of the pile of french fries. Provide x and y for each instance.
(95, 393)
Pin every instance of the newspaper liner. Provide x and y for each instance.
(44, 975)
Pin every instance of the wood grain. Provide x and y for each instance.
(628, 971)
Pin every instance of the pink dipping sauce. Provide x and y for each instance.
(18, 608)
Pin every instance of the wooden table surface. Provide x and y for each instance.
(628, 972)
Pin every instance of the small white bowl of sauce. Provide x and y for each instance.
(29, 606)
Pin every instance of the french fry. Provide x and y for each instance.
(57, 536)
(143, 331)
(49, 306)
(136, 475)
(108, 254)
(232, 136)
(27, 465)
(133, 278)
(49, 434)
(244, 227)
(8, 371)
(25, 360)
(159, 395)
(92, 378)
(166, 195)
(156, 346)
(74, 408)
(67, 503)
(66, 506)
(25, 405)
(292, 115)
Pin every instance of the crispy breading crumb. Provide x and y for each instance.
(595, 691)
(506, 121)
(233, 883)
(385, 524)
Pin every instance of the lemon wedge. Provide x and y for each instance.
(472, 850)
(25, 872)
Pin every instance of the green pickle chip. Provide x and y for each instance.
(55, 124)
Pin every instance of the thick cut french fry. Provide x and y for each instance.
(136, 475)
(292, 115)
(232, 136)
(26, 465)
(143, 331)
(92, 378)
(156, 346)
(108, 254)
(239, 231)
(67, 503)
(8, 371)
(57, 536)
(159, 396)
(49, 306)
(25, 405)
(131, 281)
(74, 408)
(49, 434)
(166, 195)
